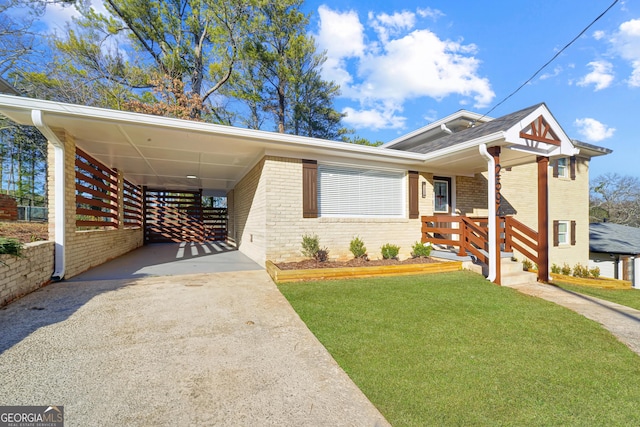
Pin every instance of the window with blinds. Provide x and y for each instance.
(355, 192)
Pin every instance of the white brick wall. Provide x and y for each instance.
(19, 276)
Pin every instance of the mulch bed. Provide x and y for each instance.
(312, 263)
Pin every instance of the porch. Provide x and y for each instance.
(467, 236)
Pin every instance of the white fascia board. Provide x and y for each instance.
(53, 109)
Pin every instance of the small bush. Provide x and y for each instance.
(565, 270)
(527, 265)
(10, 246)
(322, 255)
(357, 248)
(595, 272)
(555, 268)
(580, 270)
(310, 245)
(390, 251)
(420, 250)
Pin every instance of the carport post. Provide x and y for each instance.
(636, 272)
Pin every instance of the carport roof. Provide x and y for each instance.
(162, 152)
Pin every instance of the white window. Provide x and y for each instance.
(563, 232)
(358, 192)
(563, 170)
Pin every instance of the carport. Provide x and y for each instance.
(118, 179)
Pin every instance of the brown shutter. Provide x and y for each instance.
(573, 233)
(572, 166)
(556, 227)
(413, 195)
(555, 168)
(309, 189)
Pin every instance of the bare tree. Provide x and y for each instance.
(615, 198)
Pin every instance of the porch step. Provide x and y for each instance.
(513, 274)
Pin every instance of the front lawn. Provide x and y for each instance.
(452, 349)
(628, 297)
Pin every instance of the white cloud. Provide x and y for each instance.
(430, 13)
(598, 35)
(601, 75)
(592, 130)
(375, 118)
(398, 63)
(626, 42)
(556, 71)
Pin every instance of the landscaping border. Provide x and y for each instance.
(283, 276)
(602, 282)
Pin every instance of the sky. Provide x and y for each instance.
(404, 64)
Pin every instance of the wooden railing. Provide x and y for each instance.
(522, 238)
(470, 235)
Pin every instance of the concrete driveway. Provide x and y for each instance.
(202, 349)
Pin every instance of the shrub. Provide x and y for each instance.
(566, 269)
(555, 268)
(527, 265)
(322, 255)
(420, 250)
(390, 251)
(580, 270)
(357, 248)
(10, 246)
(595, 272)
(310, 245)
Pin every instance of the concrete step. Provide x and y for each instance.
(512, 273)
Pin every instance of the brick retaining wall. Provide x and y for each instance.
(25, 274)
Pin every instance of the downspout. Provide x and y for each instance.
(60, 194)
(491, 202)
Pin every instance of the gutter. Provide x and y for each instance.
(59, 192)
(491, 202)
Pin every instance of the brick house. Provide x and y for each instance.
(460, 183)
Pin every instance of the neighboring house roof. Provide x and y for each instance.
(611, 238)
(5, 87)
(497, 125)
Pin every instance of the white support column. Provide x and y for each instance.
(60, 194)
(636, 272)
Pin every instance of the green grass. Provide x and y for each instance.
(452, 349)
(628, 297)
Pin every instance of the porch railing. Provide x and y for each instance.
(470, 236)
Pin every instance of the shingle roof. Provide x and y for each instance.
(614, 238)
(497, 125)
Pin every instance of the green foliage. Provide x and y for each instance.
(527, 265)
(311, 248)
(310, 245)
(566, 269)
(357, 248)
(10, 246)
(594, 272)
(359, 140)
(555, 268)
(420, 250)
(390, 251)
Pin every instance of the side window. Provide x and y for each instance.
(562, 168)
(564, 233)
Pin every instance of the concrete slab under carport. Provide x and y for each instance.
(172, 259)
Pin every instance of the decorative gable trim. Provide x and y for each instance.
(539, 130)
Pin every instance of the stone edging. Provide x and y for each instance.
(283, 276)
